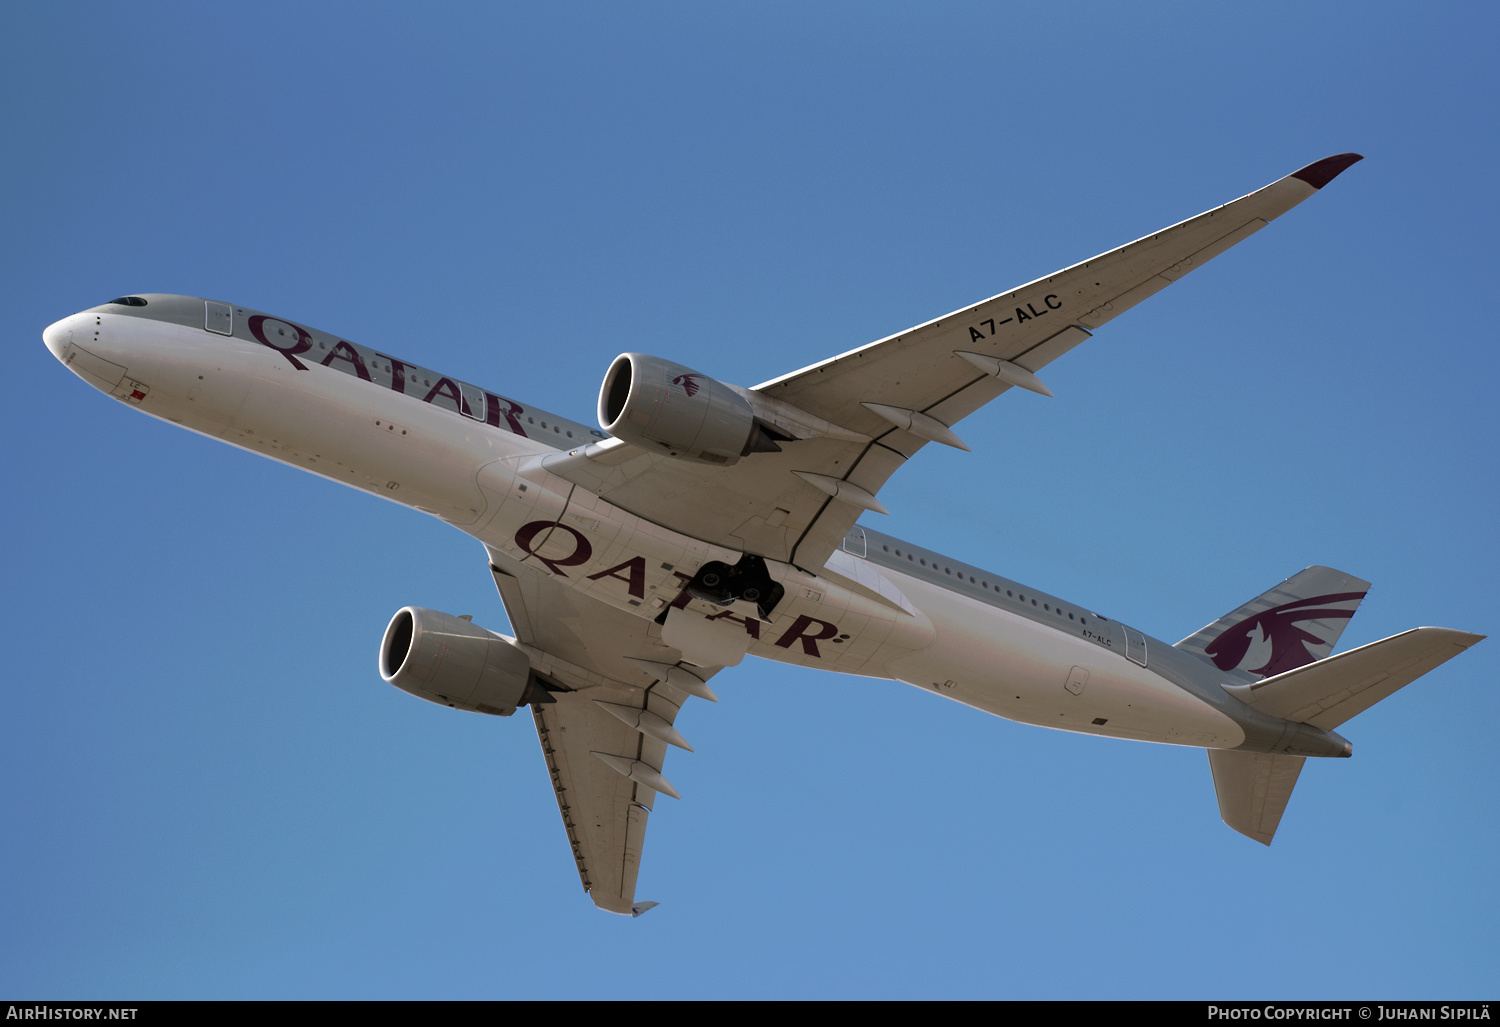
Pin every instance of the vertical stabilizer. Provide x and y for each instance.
(1294, 624)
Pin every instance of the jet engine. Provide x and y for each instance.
(670, 409)
(445, 659)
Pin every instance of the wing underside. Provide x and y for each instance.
(605, 733)
(603, 812)
(887, 399)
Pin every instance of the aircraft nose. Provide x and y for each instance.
(57, 335)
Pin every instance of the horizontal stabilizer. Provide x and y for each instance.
(1253, 789)
(1329, 692)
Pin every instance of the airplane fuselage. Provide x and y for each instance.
(469, 456)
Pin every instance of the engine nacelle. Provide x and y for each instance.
(445, 659)
(670, 409)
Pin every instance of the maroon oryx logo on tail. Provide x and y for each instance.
(1272, 638)
(689, 382)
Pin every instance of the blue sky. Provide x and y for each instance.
(207, 790)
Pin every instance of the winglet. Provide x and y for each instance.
(637, 908)
(1320, 172)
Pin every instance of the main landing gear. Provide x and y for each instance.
(718, 583)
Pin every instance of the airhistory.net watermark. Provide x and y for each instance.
(45, 1011)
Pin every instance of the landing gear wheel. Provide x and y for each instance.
(749, 580)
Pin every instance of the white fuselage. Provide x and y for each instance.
(467, 457)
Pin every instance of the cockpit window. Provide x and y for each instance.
(129, 301)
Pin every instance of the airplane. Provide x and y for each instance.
(702, 522)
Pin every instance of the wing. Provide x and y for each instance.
(615, 691)
(857, 417)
